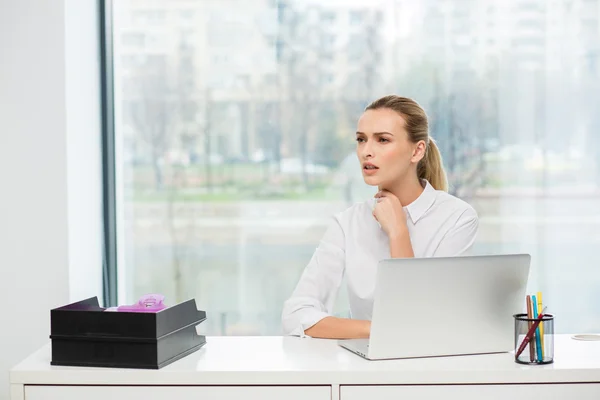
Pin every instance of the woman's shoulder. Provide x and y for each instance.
(356, 211)
(360, 207)
(454, 205)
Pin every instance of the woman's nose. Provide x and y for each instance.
(367, 150)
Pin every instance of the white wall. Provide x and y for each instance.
(49, 168)
(84, 141)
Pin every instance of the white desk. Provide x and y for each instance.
(313, 369)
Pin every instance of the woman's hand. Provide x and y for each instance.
(389, 213)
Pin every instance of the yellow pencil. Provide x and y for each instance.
(539, 304)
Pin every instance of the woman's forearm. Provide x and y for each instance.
(400, 245)
(340, 328)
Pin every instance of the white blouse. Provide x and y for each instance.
(439, 225)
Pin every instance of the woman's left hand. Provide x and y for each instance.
(389, 213)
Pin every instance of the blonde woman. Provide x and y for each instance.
(412, 215)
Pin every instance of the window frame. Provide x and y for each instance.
(109, 206)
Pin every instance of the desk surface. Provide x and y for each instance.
(274, 360)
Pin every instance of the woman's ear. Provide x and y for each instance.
(419, 151)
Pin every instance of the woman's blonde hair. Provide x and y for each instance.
(431, 166)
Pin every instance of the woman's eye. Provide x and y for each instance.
(383, 140)
(360, 140)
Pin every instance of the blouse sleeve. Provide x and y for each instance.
(315, 294)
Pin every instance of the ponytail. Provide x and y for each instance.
(431, 167)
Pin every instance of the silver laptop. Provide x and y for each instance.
(426, 307)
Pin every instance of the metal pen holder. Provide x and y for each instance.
(539, 347)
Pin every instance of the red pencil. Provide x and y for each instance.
(530, 334)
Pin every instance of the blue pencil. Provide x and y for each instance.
(538, 342)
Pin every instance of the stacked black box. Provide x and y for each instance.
(84, 334)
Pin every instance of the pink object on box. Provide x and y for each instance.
(147, 303)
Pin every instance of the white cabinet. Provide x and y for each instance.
(293, 368)
(179, 393)
(579, 391)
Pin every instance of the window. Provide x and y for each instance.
(146, 15)
(327, 17)
(133, 39)
(356, 17)
(234, 150)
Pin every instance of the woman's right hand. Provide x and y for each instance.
(340, 328)
(389, 213)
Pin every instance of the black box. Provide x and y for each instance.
(83, 334)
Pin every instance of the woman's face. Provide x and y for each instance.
(384, 150)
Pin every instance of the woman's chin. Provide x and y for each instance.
(372, 180)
